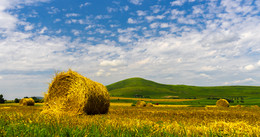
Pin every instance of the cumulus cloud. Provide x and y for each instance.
(43, 30)
(244, 81)
(75, 32)
(84, 4)
(249, 67)
(151, 18)
(178, 2)
(7, 21)
(131, 21)
(72, 15)
(141, 13)
(111, 62)
(136, 2)
(28, 27)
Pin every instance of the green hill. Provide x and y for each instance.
(141, 87)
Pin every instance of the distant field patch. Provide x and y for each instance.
(121, 104)
(154, 100)
(172, 106)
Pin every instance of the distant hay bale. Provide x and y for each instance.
(27, 102)
(238, 106)
(149, 105)
(73, 93)
(222, 103)
(140, 104)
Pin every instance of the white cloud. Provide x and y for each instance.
(178, 2)
(43, 30)
(258, 63)
(136, 2)
(244, 81)
(131, 21)
(205, 76)
(111, 62)
(125, 8)
(164, 25)
(7, 21)
(28, 27)
(126, 38)
(53, 10)
(102, 17)
(110, 10)
(249, 67)
(1, 77)
(84, 5)
(144, 61)
(154, 25)
(56, 20)
(100, 72)
(175, 14)
(156, 8)
(75, 32)
(151, 18)
(141, 13)
(208, 68)
(72, 15)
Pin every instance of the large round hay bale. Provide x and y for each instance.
(222, 103)
(75, 94)
(149, 105)
(27, 102)
(140, 104)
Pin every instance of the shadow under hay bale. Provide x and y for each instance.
(222, 103)
(73, 93)
(27, 102)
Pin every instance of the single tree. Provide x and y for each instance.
(2, 100)
(16, 100)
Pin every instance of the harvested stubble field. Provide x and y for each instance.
(129, 121)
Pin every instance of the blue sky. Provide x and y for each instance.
(192, 42)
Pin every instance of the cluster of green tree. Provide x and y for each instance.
(237, 99)
(36, 100)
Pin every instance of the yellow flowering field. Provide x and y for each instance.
(127, 120)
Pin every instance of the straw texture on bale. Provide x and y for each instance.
(149, 105)
(140, 104)
(222, 103)
(73, 93)
(27, 102)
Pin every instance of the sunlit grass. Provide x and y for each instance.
(125, 120)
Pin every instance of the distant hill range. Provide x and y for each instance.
(139, 87)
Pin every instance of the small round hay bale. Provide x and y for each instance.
(255, 106)
(140, 104)
(73, 93)
(222, 103)
(149, 105)
(238, 106)
(27, 102)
